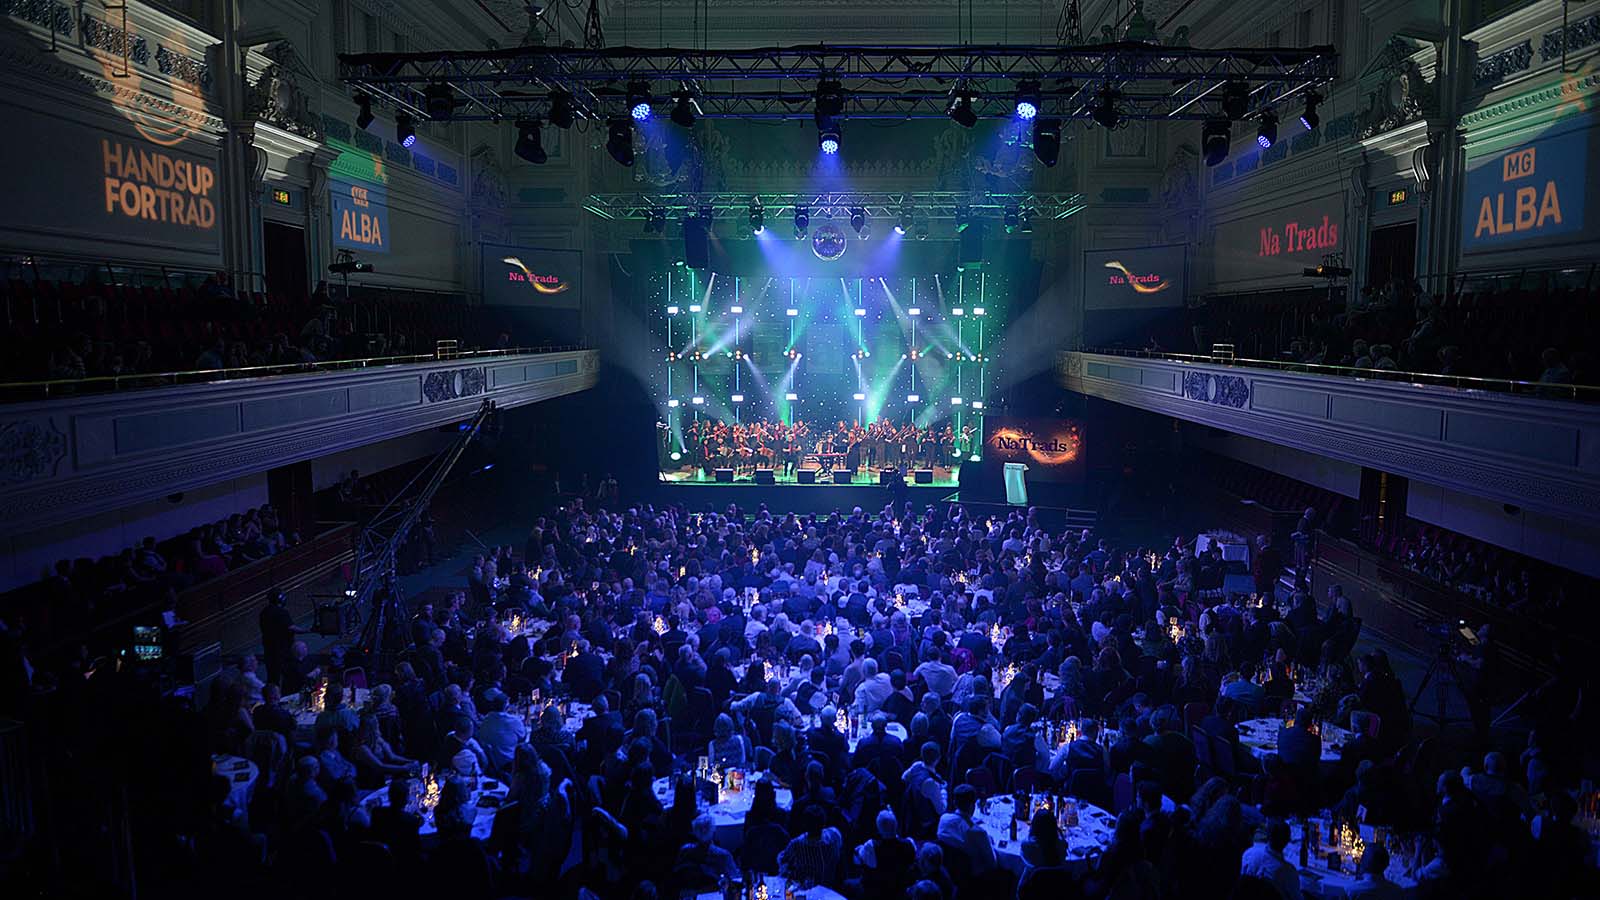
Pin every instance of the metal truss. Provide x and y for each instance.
(878, 82)
(881, 205)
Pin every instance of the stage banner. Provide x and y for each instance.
(1052, 449)
(127, 192)
(532, 277)
(1134, 278)
(360, 217)
(1533, 194)
(1277, 246)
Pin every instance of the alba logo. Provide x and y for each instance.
(1142, 284)
(544, 284)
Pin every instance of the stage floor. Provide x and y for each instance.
(942, 477)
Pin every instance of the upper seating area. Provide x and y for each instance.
(63, 330)
(1523, 328)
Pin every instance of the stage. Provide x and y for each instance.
(865, 477)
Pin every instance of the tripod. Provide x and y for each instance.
(1443, 675)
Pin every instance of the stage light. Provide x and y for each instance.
(1012, 216)
(529, 146)
(1047, 141)
(977, 310)
(672, 356)
(1027, 100)
(914, 311)
(829, 139)
(961, 112)
(922, 230)
(1309, 118)
(405, 131)
(904, 225)
(655, 221)
(364, 115)
(686, 109)
(672, 310)
(1235, 100)
(673, 403)
(858, 396)
(860, 354)
(698, 355)
(963, 219)
(698, 401)
(829, 100)
(958, 311)
(1267, 129)
(758, 217)
(1215, 136)
(1105, 111)
(737, 398)
(694, 307)
(955, 401)
(858, 218)
(736, 310)
(561, 114)
(802, 217)
(639, 100)
(619, 142)
(439, 101)
(791, 396)
(791, 312)
(860, 311)
(977, 404)
(913, 398)
(676, 456)
(914, 354)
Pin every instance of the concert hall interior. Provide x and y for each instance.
(803, 449)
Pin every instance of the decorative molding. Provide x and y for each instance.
(1222, 390)
(30, 449)
(280, 95)
(1497, 67)
(1580, 34)
(453, 384)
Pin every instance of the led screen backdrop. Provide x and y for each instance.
(531, 277)
(1278, 245)
(360, 217)
(1134, 278)
(1533, 194)
(111, 184)
(1052, 449)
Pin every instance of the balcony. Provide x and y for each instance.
(81, 451)
(1529, 445)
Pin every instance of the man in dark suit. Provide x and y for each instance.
(602, 733)
(880, 743)
(271, 715)
(395, 826)
(1300, 750)
(428, 659)
(1083, 754)
(585, 673)
(1171, 753)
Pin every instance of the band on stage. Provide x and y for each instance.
(785, 448)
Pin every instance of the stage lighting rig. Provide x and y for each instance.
(829, 101)
(561, 114)
(1047, 141)
(405, 130)
(673, 356)
(860, 354)
(364, 115)
(1215, 136)
(1309, 117)
(961, 111)
(758, 217)
(655, 221)
(1013, 217)
(858, 219)
(829, 139)
(1235, 100)
(1028, 100)
(639, 100)
(1106, 114)
(439, 101)
(529, 144)
(686, 109)
(619, 141)
(1267, 129)
(904, 225)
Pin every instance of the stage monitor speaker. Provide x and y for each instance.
(890, 476)
(970, 250)
(696, 243)
(764, 476)
(843, 476)
(923, 476)
(807, 476)
(725, 476)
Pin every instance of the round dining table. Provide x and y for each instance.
(1317, 879)
(895, 729)
(305, 719)
(774, 885)
(488, 795)
(1261, 737)
(241, 774)
(728, 813)
(1084, 841)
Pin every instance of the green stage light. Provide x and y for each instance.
(676, 456)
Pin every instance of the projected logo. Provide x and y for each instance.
(544, 284)
(827, 242)
(1047, 446)
(1141, 284)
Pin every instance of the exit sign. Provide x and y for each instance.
(280, 196)
(1397, 196)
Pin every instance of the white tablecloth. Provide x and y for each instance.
(1317, 880)
(1084, 841)
(729, 814)
(1261, 737)
(241, 774)
(775, 892)
(306, 719)
(482, 825)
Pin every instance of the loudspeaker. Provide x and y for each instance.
(335, 619)
(970, 250)
(889, 476)
(696, 243)
(764, 476)
(807, 476)
(725, 476)
(843, 476)
(923, 476)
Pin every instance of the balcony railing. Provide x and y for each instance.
(20, 391)
(1576, 392)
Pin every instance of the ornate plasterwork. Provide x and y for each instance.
(29, 450)
(1397, 92)
(1570, 89)
(488, 179)
(280, 94)
(28, 58)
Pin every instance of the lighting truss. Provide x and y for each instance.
(884, 205)
(879, 81)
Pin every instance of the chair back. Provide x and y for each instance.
(1194, 712)
(1202, 748)
(355, 678)
(1024, 779)
(1121, 793)
(1089, 784)
(1223, 759)
(982, 781)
